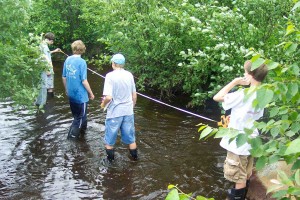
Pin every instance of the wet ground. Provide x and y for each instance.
(38, 162)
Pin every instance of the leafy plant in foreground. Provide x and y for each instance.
(176, 194)
(280, 130)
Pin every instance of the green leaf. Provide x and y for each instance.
(241, 139)
(273, 159)
(173, 195)
(249, 53)
(295, 69)
(296, 165)
(261, 162)
(295, 127)
(183, 197)
(296, 6)
(293, 147)
(293, 89)
(201, 198)
(279, 194)
(275, 131)
(264, 96)
(274, 111)
(215, 130)
(205, 132)
(293, 116)
(291, 48)
(297, 177)
(258, 62)
(284, 178)
(272, 65)
(202, 127)
(290, 29)
(171, 186)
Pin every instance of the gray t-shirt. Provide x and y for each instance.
(120, 85)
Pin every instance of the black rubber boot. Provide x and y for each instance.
(83, 129)
(50, 95)
(110, 154)
(246, 189)
(236, 194)
(133, 153)
(74, 133)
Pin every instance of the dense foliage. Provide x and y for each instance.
(63, 19)
(19, 63)
(280, 129)
(187, 46)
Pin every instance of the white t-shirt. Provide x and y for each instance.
(242, 116)
(120, 85)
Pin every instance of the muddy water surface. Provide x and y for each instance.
(37, 162)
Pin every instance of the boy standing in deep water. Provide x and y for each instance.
(120, 96)
(77, 88)
(239, 163)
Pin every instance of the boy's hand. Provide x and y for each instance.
(102, 105)
(57, 50)
(91, 96)
(102, 102)
(242, 81)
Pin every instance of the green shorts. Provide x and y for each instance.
(238, 168)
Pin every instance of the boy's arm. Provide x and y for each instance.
(64, 79)
(134, 98)
(219, 97)
(55, 50)
(88, 88)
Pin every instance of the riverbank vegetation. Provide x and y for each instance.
(184, 47)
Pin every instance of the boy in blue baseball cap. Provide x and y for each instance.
(120, 93)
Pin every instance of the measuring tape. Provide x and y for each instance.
(224, 120)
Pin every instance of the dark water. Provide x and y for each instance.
(37, 162)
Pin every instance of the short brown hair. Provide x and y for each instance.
(49, 36)
(259, 73)
(78, 47)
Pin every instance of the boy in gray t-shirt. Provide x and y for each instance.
(120, 98)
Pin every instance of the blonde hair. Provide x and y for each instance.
(78, 47)
(259, 73)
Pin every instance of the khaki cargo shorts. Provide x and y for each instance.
(237, 168)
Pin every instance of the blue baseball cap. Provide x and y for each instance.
(118, 59)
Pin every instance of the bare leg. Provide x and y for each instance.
(108, 147)
(240, 185)
(132, 146)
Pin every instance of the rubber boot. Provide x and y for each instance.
(110, 154)
(83, 129)
(236, 194)
(133, 153)
(247, 186)
(50, 95)
(74, 133)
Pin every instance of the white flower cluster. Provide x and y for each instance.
(221, 46)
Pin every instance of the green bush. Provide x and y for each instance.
(19, 54)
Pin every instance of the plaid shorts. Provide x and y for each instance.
(238, 168)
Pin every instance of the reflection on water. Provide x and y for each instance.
(37, 162)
